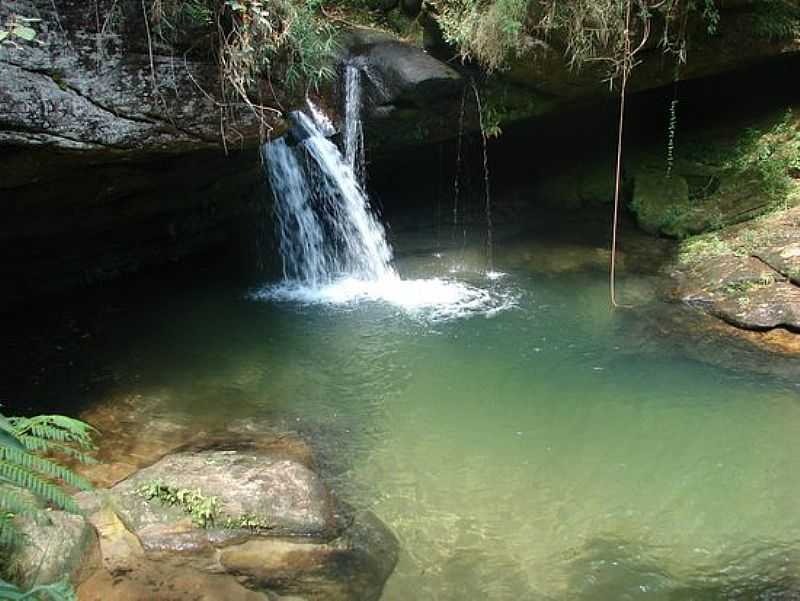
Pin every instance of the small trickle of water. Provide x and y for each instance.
(489, 227)
(354, 131)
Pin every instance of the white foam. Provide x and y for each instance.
(433, 299)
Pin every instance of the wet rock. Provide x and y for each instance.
(282, 493)
(744, 292)
(745, 277)
(122, 450)
(404, 74)
(55, 544)
(410, 96)
(277, 530)
(354, 566)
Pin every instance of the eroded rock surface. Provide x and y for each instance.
(746, 275)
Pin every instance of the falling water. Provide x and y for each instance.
(353, 131)
(325, 226)
(489, 243)
(334, 249)
(456, 188)
(300, 231)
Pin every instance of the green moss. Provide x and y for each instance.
(702, 247)
(747, 286)
(249, 522)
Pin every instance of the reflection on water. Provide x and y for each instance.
(552, 451)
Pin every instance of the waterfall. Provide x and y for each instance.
(353, 130)
(326, 228)
(333, 247)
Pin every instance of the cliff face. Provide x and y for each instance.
(113, 144)
(89, 82)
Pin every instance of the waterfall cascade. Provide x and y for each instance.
(325, 225)
(333, 247)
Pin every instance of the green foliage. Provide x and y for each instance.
(18, 29)
(58, 591)
(503, 103)
(776, 19)
(254, 39)
(24, 472)
(768, 156)
(248, 522)
(495, 31)
(202, 509)
(706, 246)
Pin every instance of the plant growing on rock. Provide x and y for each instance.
(18, 29)
(587, 31)
(202, 509)
(255, 42)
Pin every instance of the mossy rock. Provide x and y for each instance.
(662, 207)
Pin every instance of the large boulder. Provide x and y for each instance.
(410, 96)
(274, 527)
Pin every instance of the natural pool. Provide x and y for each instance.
(536, 446)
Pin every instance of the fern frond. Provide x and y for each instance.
(58, 428)
(44, 467)
(39, 445)
(58, 591)
(19, 476)
(8, 436)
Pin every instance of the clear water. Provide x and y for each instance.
(548, 450)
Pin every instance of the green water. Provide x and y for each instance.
(554, 450)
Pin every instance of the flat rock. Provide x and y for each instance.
(784, 259)
(280, 492)
(743, 291)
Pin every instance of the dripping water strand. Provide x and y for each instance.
(488, 206)
(673, 121)
(354, 132)
(456, 189)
